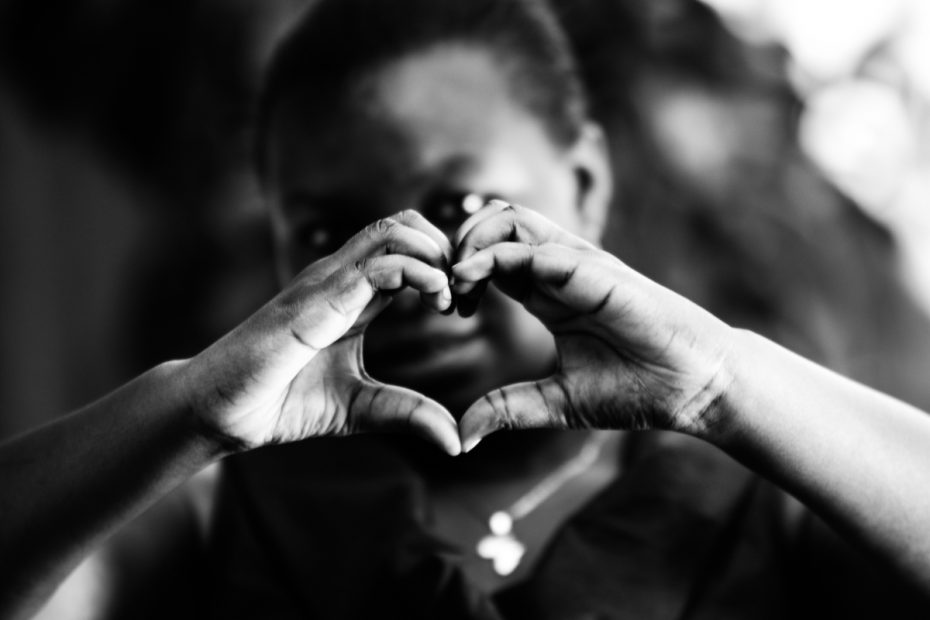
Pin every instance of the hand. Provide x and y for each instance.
(631, 354)
(294, 369)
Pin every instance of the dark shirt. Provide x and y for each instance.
(338, 529)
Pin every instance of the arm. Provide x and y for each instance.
(292, 370)
(635, 355)
(857, 457)
(68, 484)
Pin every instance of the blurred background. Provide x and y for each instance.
(772, 159)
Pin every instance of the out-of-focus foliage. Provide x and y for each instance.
(862, 68)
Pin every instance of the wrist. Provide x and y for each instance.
(180, 383)
(707, 412)
(720, 422)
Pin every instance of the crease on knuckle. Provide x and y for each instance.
(529, 257)
(513, 223)
(572, 416)
(408, 216)
(605, 301)
(366, 268)
(352, 413)
(506, 415)
(554, 415)
(301, 340)
(335, 305)
(382, 227)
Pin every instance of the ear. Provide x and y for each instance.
(591, 163)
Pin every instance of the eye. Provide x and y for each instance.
(444, 208)
(472, 203)
(451, 208)
(321, 237)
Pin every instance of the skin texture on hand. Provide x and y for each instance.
(294, 369)
(631, 354)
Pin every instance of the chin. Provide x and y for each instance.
(454, 388)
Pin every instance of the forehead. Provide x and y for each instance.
(446, 111)
(451, 98)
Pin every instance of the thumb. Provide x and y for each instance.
(378, 407)
(533, 404)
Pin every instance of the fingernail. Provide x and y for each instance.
(470, 443)
(497, 202)
(446, 296)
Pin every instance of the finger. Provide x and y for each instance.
(491, 208)
(415, 220)
(533, 404)
(580, 279)
(501, 221)
(467, 302)
(394, 272)
(507, 258)
(471, 280)
(552, 281)
(378, 407)
(323, 314)
(392, 236)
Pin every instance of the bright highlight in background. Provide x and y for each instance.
(863, 70)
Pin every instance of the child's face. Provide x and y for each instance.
(429, 129)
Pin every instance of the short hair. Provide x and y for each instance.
(337, 43)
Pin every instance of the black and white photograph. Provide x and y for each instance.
(465, 309)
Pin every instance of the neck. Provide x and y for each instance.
(535, 486)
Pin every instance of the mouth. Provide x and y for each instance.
(419, 358)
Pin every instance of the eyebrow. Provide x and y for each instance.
(453, 168)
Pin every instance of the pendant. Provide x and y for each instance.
(501, 546)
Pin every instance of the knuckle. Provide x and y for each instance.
(287, 307)
(382, 227)
(515, 214)
(529, 253)
(511, 215)
(408, 215)
(363, 268)
(500, 406)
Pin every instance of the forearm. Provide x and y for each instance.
(67, 485)
(859, 458)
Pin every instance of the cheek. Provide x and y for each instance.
(554, 194)
(290, 258)
(526, 339)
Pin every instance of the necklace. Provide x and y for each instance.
(500, 545)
